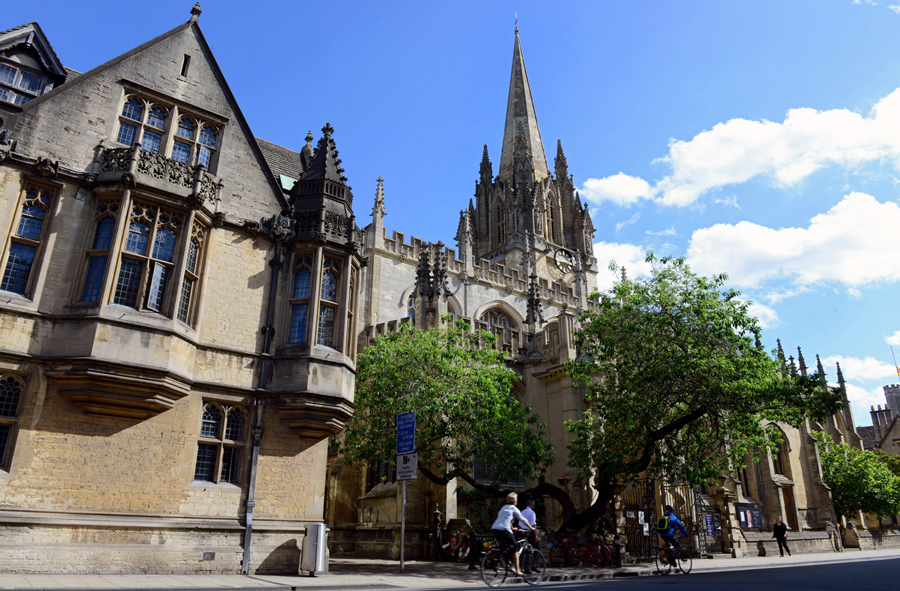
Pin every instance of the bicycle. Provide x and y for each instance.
(664, 560)
(594, 552)
(455, 548)
(496, 564)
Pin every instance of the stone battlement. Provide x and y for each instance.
(497, 275)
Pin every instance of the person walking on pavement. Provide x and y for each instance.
(779, 534)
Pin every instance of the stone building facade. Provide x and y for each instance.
(178, 324)
(523, 268)
(182, 306)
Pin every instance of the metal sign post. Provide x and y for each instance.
(407, 463)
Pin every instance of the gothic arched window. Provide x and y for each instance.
(300, 299)
(328, 302)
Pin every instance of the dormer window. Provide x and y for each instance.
(18, 85)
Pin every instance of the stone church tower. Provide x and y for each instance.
(526, 217)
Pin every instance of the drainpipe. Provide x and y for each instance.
(260, 403)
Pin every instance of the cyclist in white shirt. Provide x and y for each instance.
(503, 530)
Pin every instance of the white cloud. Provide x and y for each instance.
(621, 189)
(730, 201)
(630, 256)
(894, 339)
(669, 232)
(861, 400)
(767, 317)
(895, 8)
(786, 152)
(628, 222)
(858, 370)
(853, 292)
(853, 243)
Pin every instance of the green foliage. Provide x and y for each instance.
(892, 462)
(860, 480)
(683, 390)
(461, 391)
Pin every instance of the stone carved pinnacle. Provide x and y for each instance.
(327, 130)
(534, 314)
(561, 165)
(793, 367)
(195, 11)
(840, 374)
(486, 171)
(439, 275)
(801, 362)
(819, 368)
(309, 138)
(379, 198)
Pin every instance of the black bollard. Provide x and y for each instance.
(617, 551)
(474, 552)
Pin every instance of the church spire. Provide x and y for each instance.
(520, 110)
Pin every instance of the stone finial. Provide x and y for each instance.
(195, 12)
(793, 367)
(624, 275)
(327, 130)
(840, 375)
(819, 369)
(801, 362)
(309, 138)
(379, 198)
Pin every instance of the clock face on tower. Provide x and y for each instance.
(565, 262)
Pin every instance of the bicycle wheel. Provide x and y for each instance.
(591, 554)
(685, 562)
(462, 554)
(537, 567)
(662, 565)
(561, 555)
(493, 568)
(601, 554)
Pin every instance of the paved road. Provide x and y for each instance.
(869, 574)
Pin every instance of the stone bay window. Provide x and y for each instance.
(322, 301)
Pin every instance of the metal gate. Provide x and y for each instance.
(686, 500)
(639, 505)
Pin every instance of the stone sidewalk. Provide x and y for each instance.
(347, 573)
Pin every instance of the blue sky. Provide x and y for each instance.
(760, 139)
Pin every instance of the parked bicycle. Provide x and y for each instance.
(455, 548)
(567, 550)
(665, 561)
(496, 564)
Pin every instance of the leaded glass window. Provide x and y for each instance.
(142, 273)
(18, 85)
(12, 389)
(186, 299)
(23, 244)
(98, 253)
(300, 299)
(222, 439)
(328, 299)
(145, 123)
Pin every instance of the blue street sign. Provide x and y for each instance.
(406, 432)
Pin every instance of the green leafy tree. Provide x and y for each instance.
(679, 387)
(462, 393)
(860, 480)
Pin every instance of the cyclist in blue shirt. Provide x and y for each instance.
(668, 536)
